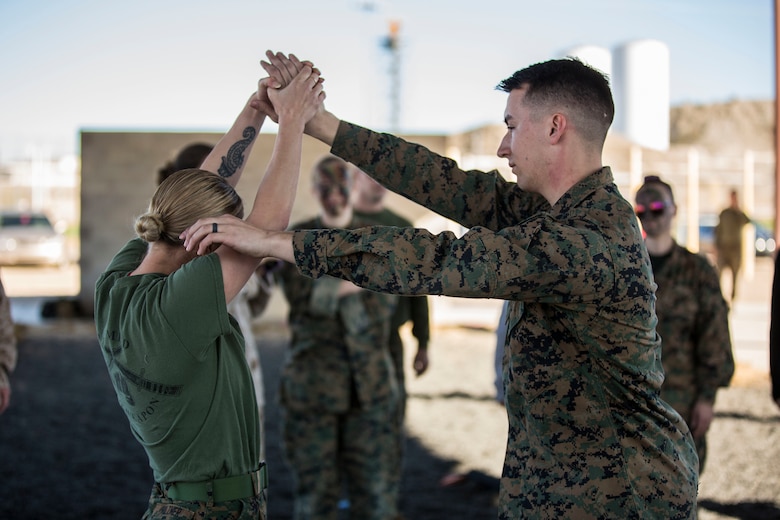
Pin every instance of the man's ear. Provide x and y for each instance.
(557, 127)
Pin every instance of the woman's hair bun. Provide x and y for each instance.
(149, 227)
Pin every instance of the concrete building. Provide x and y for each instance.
(118, 176)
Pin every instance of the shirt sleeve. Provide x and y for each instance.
(715, 365)
(471, 198)
(537, 259)
(193, 302)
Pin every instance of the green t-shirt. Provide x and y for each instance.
(176, 360)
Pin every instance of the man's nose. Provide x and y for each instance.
(503, 149)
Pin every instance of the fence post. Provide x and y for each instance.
(692, 216)
(749, 207)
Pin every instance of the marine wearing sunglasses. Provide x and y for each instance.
(654, 200)
(655, 208)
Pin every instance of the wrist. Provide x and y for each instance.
(323, 126)
(253, 111)
(279, 244)
(291, 122)
(257, 116)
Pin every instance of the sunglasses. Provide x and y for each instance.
(654, 209)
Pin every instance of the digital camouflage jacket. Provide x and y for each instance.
(589, 436)
(694, 328)
(339, 356)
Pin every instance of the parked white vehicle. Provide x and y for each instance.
(28, 238)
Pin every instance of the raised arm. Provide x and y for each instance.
(228, 158)
(295, 105)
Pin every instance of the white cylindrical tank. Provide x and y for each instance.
(595, 56)
(640, 86)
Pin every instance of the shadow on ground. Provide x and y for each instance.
(67, 451)
(743, 510)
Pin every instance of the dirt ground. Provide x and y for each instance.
(66, 450)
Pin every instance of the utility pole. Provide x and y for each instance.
(391, 44)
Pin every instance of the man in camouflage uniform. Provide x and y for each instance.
(589, 436)
(339, 389)
(7, 349)
(774, 335)
(369, 205)
(692, 316)
(728, 239)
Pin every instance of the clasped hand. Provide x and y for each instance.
(282, 69)
(276, 100)
(230, 231)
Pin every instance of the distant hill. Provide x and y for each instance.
(735, 125)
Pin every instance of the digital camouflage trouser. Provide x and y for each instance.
(162, 508)
(357, 447)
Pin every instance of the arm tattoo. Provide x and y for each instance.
(235, 156)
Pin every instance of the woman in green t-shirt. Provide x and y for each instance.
(174, 354)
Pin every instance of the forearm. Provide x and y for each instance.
(323, 127)
(392, 260)
(276, 193)
(714, 352)
(715, 367)
(420, 319)
(229, 156)
(278, 244)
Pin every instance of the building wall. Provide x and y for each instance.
(119, 176)
(119, 171)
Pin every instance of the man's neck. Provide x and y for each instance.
(568, 169)
(659, 246)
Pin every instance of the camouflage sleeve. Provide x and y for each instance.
(471, 198)
(715, 365)
(8, 351)
(421, 328)
(537, 259)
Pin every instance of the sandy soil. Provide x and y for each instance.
(66, 450)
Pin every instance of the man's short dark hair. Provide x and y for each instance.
(655, 180)
(568, 83)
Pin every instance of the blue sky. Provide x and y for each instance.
(190, 65)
